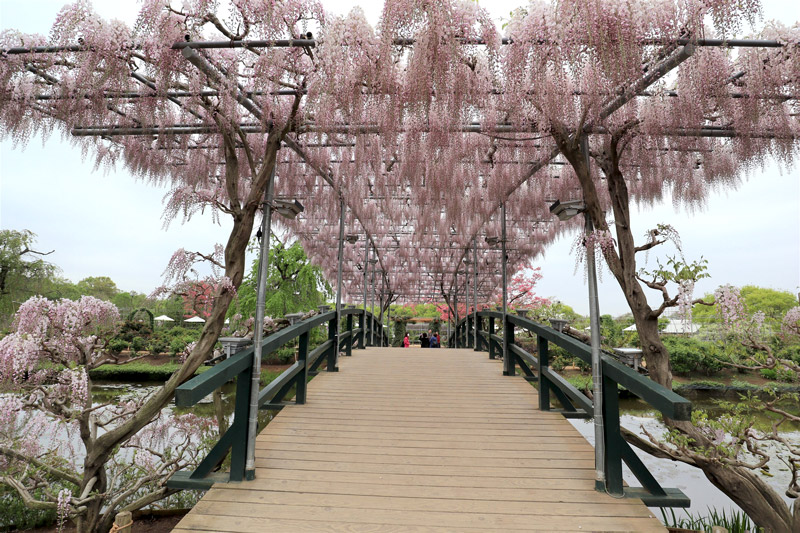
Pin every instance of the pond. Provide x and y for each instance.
(638, 415)
(112, 392)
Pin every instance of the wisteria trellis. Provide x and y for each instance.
(423, 124)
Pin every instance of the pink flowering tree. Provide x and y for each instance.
(424, 125)
(522, 290)
(51, 432)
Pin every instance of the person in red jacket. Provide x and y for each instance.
(406, 341)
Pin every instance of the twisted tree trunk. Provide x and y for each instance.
(742, 485)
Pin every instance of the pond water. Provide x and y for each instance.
(112, 392)
(638, 415)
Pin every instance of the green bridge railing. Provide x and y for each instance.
(239, 367)
(574, 403)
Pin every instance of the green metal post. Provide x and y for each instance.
(333, 350)
(613, 448)
(490, 331)
(509, 358)
(362, 323)
(350, 339)
(302, 377)
(240, 426)
(544, 384)
(478, 327)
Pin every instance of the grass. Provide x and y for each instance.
(736, 522)
(701, 384)
(137, 372)
(581, 382)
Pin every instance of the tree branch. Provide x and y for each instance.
(66, 476)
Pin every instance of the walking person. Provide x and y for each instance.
(406, 341)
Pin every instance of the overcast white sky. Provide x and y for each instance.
(105, 223)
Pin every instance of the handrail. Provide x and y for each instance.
(240, 367)
(574, 403)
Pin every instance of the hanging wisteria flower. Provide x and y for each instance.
(685, 298)
(729, 305)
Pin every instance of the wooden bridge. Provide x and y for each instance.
(414, 440)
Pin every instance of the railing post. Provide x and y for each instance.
(613, 450)
(478, 326)
(350, 340)
(240, 424)
(544, 363)
(489, 340)
(302, 377)
(367, 329)
(333, 351)
(362, 323)
(509, 358)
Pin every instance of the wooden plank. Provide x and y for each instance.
(425, 436)
(423, 504)
(543, 470)
(456, 520)
(457, 447)
(578, 458)
(541, 494)
(541, 450)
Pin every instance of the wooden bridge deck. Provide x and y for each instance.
(418, 440)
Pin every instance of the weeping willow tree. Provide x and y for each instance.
(294, 284)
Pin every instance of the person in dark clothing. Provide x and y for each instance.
(435, 343)
(424, 341)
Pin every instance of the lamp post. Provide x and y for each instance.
(565, 211)
(289, 209)
(339, 281)
(510, 367)
(366, 271)
(372, 261)
(380, 302)
(475, 291)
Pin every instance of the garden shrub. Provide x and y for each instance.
(786, 375)
(769, 373)
(176, 346)
(134, 328)
(115, 346)
(559, 357)
(690, 355)
(158, 346)
(15, 515)
(790, 352)
(138, 344)
(282, 356)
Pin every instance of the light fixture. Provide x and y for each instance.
(352, 238)
(567, 210)
(373, 261)
(492, 240)
(288, 208)
(293, 317)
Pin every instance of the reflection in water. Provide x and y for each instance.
(111, 392)
(690, 480)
